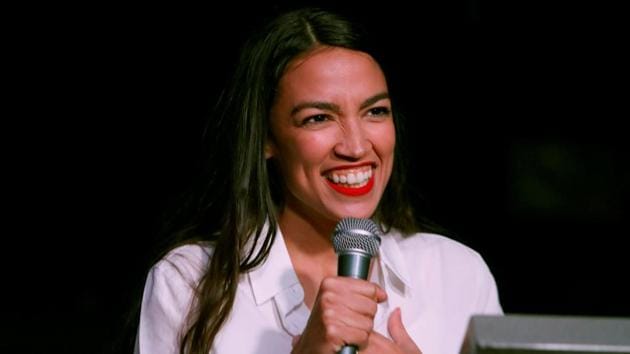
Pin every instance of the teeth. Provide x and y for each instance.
(352, 179)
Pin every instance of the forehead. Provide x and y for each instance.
(331, 71)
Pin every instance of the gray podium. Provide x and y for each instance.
(538, 334)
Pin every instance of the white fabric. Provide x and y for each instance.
(438, 283)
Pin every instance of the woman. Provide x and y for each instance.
(313, 138)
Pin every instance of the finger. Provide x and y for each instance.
(399, 334)
(359, 304)
(357, 295)
(347, 285)
(370, 290)
(349, 318)
(340, 335)
(379, 344)
(378, 340)
(380, 294)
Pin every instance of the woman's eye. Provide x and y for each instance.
(379, 111)
(319, 118)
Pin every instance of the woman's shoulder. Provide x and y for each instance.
(168, 294)
(429, 248)
(458, 273)
(194, 252)
(187, 262)
(458, 265)
(432, 243)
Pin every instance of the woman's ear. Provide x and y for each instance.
(270, 149)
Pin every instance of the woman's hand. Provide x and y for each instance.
(401, 342)
(343, 313)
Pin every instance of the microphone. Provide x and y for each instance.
(355, 241)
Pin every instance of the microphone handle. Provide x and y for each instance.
(355, 265)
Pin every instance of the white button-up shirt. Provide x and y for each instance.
(437, 282)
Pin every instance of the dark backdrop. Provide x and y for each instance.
(514, 118)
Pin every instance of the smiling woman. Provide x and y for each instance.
(304, 137)
(332, 136)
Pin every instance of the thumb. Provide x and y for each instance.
(399, 334)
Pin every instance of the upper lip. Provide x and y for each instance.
(349, 167)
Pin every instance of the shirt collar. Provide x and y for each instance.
(392, 259)
(275, 274)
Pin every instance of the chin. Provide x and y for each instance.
(361, 213)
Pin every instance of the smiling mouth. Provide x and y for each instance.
(354, 182)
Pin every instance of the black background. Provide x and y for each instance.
(514, 116)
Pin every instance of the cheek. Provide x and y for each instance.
(301, 152)
(384, 140)
(312, 147)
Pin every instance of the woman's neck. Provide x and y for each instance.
(310, 249)
(308, 236)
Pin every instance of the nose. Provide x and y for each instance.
(353, 143)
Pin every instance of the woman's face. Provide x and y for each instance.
(332, 134)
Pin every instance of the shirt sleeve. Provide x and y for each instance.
(488, 295)
(166, 301)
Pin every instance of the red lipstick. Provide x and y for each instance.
(353, 192)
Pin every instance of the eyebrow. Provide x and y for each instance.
(328, 106)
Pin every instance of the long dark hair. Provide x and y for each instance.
(242, 194)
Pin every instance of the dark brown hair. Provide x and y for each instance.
(243, 192)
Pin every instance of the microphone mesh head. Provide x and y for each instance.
(356, 234)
